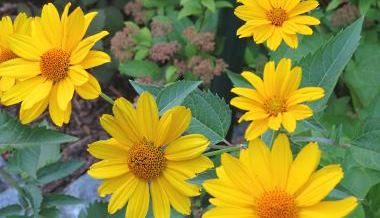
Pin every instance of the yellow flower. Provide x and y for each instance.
(276, 20)
(21, 25)
(275, 100)
(270, 184)
(52, 64)
(147, 158)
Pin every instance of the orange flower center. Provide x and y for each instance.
(55, 64)
(275, 106)
(6, 55)
(276, 204)
(277, 16)
(146, 161)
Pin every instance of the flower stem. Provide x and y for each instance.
(13, 183)
(224, 150)
(107, 98)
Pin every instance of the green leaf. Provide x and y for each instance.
(34, 195)
(13, 209)
(364, 6)
(144, 37)
(223, 4)
(140, 88)
(192, 7)
(211, 115)
(209, 4)
(141, 54)
(57, 200)
(237, 80)
(333, 5)
(135, 68)
(13, 134)
(373, 199)
(369, 136)
(175, 93)
(362, 75)
(325, 66)
(58, 170)
(99, 210)
(51, 212)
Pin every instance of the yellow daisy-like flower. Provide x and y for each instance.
(147, 158)
(21, 25)
(52, 64)
(276, 100)
(276, 20)
(270, 184)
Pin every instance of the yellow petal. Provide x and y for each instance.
(83, 48)
(125, 116)
(304, 19)
(24, 46)
(19, 92)
(321, 183)
(51, 24)
(305, 94)
(109, 186)
(56, 114)
(6, 83)
(274, 122)
(78, 75)
(256, 129)
(300, 111)
(289, 5)
(123, 193)
(19, 68)
(27, 116)
(275, 40)
(290, 39)
(73, 31)
(270, 78)
(109, 168)
(186, 147)
(244, 103)
(289, 122)
(191, 168)
(330, 209)
(180, 121)
(65, 92)
(255, 81)
(147, 116)
(179, 201)
(160, 201)
(249, 93)
(291, 81)
(139, 202)
(111, 125)
(89, 90)
(228, 212)
(303, 7)
(303, 166)
(37, 94)
(281, 160)
(94, 59)
(177, 180)
(107, 149)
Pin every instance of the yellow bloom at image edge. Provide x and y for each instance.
(272, 21)
(52, 64)
(148, 158)
(265, 183)
(276, 100)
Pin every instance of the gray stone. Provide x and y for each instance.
(84, 188)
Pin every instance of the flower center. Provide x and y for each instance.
(55, 64)
(6, 55)
(275, 106)
(146, 161)
(276, 204)
(277, 16)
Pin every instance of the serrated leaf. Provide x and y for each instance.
(34, 195)
(211, 115)
(13, 134)
(175, 94)
(325, 66)
(140, 88)
(57, 200)
(136, 68)
(58, 170)
(373, 199)
(369, 136)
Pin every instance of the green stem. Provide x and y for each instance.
(221, 151)
(107, 98)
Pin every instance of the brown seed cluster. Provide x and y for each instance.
(164, 51)
(275, 204)
(55, 64)
(123, 43)
(275, 106)
(146, 161)
(205, 41)
(277, 16)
